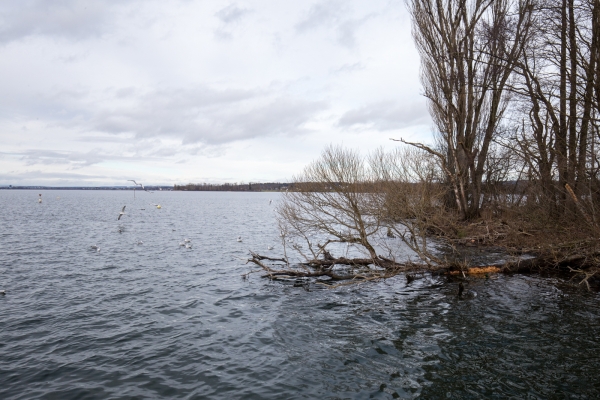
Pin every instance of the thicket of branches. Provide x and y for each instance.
(513, 88)
(514, 91)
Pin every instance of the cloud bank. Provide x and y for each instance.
(175, 91)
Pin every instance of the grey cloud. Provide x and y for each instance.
(324, 13)
(222, 34)
(231, 13)
(386, 116)
(229, 16)
(40, 177)
(331, 13)
(347, 32)
(153, 149)
(73, 159)
(142, 121)
(198, 115)
(63, 18)
(282, 116)
(166, 112)
(125, 92)
(103, 139)
(348, 68)
(163, 150)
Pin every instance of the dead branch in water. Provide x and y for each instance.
(360, 269)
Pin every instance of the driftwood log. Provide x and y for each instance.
(581, 260)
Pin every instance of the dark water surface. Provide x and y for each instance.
(147, 318)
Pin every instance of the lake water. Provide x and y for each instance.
(147, 318)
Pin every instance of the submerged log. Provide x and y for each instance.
(477, 270)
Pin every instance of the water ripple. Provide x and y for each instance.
(146, 317)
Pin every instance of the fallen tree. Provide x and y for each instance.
(583, 267)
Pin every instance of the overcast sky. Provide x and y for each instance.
(95, 92)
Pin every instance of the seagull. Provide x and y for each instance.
(188, 246)
(139, 184)
(121, 213)
(40, 198)
(270, 202)
(139, 243)
(95, 247)
(269, 247)
(2, 293)
(239, 239)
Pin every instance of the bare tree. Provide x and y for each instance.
(557, 113)
(469, 49)
(345, 204)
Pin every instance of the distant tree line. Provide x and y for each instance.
(233, 187)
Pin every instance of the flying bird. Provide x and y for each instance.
(121, 213)
(138, 184)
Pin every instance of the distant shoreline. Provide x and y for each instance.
(158, 188)
(252, 187)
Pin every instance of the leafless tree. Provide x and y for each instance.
(344, 203)
(469, 49)
(557, 96)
